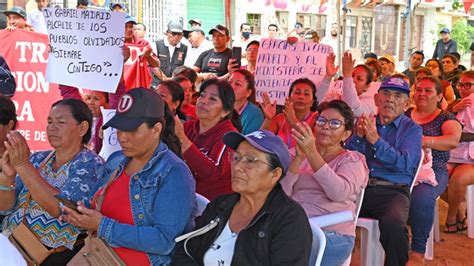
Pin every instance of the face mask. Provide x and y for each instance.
(246, 34)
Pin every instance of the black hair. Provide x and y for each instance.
(82, 3)
(181, 78)
(244, 24)
(307, 81)
(144, 27)
(274, 163)
(177, 94)
(343, 108)
(250, 83)
(187, 72)
(273, 25)
(7, 111)
(435, 81)
(419, 53)
(227, 97)
(167, 135)
(368, 72)
(425, 70)
(80, 112)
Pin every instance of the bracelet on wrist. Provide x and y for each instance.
(8, 188)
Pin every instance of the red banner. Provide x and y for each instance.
(135, 69)
(26, 54)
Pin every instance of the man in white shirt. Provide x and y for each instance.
(199, 44)
(36, 18)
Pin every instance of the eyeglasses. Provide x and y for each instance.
(465, 86)
(252, 50)
(248, 161)
(333, 123)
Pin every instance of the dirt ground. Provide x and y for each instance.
(453, 249)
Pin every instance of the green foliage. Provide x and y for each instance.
(462, 33)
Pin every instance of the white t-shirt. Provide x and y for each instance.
(222, 250)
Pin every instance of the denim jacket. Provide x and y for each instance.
(162, 197)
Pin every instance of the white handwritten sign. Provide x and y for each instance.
(85, 48)
(110, 143)
(280, 63)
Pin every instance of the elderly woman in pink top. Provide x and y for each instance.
(324, 177)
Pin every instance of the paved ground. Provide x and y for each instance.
(453, 250)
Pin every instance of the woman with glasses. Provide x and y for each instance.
(441, 133)
(256, 225)
(201, 139)
(299, 107)
(251, 56)
(461, 161)
(437, 71)
(324, 177)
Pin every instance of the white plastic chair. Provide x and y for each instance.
(319, 243)
(358, 203)
(201, 204)
(319, 239)
(470, 210)
(371, 250)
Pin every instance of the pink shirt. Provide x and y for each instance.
(334, 187)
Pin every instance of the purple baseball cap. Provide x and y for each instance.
(395, 83)
(262, 140)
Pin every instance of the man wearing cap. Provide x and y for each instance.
(416, 60)
(170, 51)
(16, 18)
(130, 38)
(199, 44)
(445, 45)
(387, 62)
(391, 143)
(195, 22)
(213, 62)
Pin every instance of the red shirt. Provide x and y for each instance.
(208, 158)
(117, 206)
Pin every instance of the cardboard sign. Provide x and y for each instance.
(280, 63)
(26, 53)
(85, 48)
(110, 142)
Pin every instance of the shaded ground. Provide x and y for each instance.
(454, 249)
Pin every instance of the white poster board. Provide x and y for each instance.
(280, 63)
(85, 48)
(110, 143)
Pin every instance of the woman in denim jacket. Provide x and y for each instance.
(148, 190)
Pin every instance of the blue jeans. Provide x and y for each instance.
(422, 203)
(338, 248)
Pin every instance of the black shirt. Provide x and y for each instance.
(213, 62)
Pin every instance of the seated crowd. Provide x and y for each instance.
(265, 171)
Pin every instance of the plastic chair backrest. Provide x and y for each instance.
(358, 204)
(201, 203)
(319, 244)
(417, 170)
